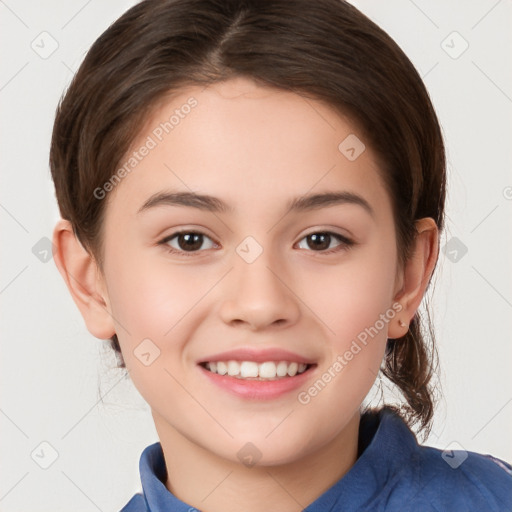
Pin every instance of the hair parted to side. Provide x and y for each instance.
(325, 50)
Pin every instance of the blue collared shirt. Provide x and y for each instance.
(392, 473)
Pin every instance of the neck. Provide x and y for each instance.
(214, 484)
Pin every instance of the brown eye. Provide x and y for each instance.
(321, 241)
(190, 241)
(186, 241)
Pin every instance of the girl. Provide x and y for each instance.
(252, 197)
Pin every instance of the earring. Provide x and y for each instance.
(401, 323)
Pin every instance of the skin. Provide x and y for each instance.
(255, 148)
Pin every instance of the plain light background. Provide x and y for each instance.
(56, 386)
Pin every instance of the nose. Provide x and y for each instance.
(259, 295)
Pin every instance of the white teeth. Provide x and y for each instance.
(292, 369)
(267, 370)
(253, 370)
(249, 369)
(282, 369)
(233, 368)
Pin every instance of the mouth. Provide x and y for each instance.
(257, 371)
(258, 381)
(258, 374)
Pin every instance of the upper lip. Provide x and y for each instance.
(258, 356)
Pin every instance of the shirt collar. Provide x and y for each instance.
(389, 446)
(385, 446)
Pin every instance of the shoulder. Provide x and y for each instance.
(468, 481)
(136, 504)
(423, 478)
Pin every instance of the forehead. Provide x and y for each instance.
(247, 144)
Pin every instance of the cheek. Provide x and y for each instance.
(354, 345)
(351, 299)
(358, 312)
(364, 299)
(149, 296)
(153, 304)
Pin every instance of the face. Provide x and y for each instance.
(251, 284)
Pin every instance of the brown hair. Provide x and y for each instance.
(326, 50)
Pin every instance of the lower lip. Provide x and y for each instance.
(258, 389)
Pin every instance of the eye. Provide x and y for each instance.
(186, 242)
(320, 241)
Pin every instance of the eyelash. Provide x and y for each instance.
(345, 243)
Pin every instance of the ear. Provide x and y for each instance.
(413, 279)
(84, 281)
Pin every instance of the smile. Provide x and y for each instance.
(262, 381)
(251, 370)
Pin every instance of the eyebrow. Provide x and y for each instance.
(216, 205)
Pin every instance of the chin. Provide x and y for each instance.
(258, 451)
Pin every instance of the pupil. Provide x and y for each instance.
(192, 241)
(320, 240)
